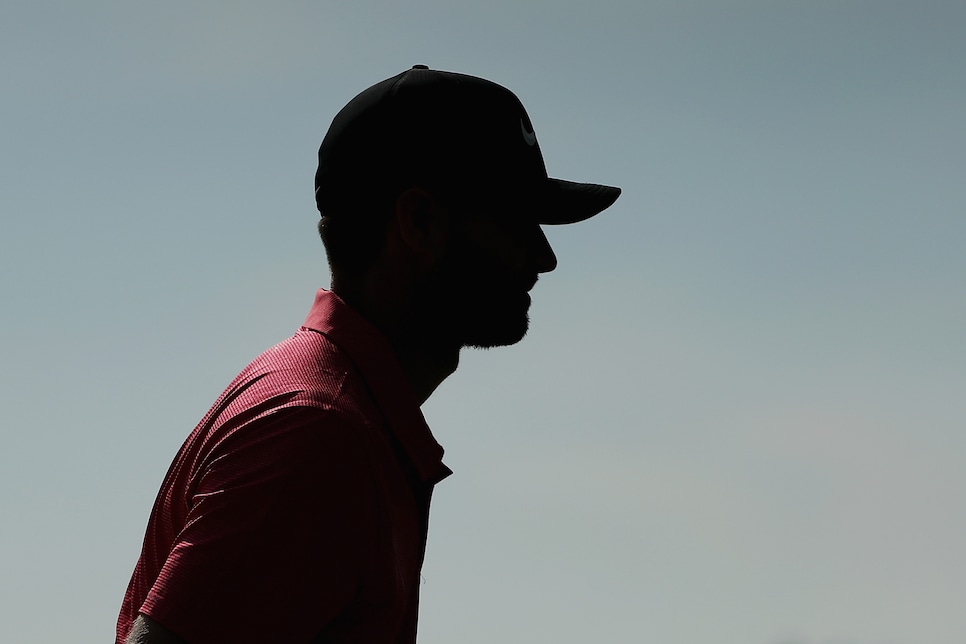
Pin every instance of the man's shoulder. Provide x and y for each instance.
(302, 388)
(305, 370)
(307, 357)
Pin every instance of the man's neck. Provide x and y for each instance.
(424, 360)
(425, 370)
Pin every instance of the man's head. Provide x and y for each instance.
(461, 148)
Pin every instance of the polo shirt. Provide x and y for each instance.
(297, 510)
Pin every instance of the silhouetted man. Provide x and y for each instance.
(297, 510)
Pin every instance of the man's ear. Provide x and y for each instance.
(423, 224)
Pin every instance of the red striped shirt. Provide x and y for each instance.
(297, 510)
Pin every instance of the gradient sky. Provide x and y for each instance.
(739, 415)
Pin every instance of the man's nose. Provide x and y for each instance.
(543, 258)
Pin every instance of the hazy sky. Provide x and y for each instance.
(739, 415)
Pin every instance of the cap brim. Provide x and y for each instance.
(567, 202)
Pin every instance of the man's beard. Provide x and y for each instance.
(473, 302)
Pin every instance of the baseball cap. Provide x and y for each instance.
(429, 128)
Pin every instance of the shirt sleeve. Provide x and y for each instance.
(280, 518)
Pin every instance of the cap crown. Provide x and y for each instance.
(428, 127)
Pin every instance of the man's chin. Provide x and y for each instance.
(497, 335)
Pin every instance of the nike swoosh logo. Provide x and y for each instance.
(528, 136)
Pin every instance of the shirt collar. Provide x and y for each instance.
(374, 357)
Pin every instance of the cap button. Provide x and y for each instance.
(420, 67)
